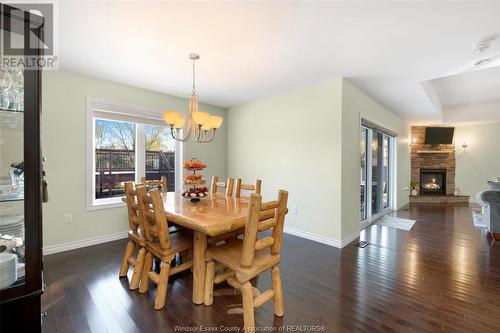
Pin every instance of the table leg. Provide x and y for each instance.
(199, 266)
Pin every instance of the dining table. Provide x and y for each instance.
(212, 216)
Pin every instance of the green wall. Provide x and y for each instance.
(64, 107)
(292, 141)
(480, 161)
(307, 141)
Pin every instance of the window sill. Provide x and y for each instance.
(106, 204)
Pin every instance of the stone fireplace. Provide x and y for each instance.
(433, 170)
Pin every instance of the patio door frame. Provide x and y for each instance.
(370, 217)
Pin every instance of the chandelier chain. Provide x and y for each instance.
(194, 77)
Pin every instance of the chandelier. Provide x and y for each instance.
(197, 126)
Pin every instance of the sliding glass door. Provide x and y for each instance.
(376, 164)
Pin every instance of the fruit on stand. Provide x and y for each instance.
(196, 192)
(194, 164)
(193, 181)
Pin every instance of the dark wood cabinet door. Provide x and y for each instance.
(20, 166)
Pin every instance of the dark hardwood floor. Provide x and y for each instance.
(443, 275)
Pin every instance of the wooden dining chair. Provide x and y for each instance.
(158, 183)
(242, 260)
(162, 185)
(160, 244)
(255, 188)
(227, 186)
(135, 238)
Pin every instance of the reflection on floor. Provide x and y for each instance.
(442, 275)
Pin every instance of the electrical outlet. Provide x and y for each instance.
(68, 218)
(294, 210)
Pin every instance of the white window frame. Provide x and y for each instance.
(98, 108)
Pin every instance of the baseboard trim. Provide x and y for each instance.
(51, 249)
(349, 239)
(321, 239)
(314, 237)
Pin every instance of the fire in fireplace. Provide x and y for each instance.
(432, 181)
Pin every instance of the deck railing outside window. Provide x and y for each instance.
(114, 167)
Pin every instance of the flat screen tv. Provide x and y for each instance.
(439, 135)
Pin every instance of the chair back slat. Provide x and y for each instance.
(261, 217)
(266, 224)
(158, 183)
(281, 211)
(228, 186)
(263, 243)
(152, 216)
(248, 251)
(266, 214)
(270, 205)
(247, 187)
(132, 207)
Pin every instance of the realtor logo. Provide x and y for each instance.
(22, 51)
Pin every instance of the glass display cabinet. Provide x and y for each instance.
(20, 174)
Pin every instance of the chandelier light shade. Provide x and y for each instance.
(198, 126)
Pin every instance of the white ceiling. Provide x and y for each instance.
(470, 96)
(469, 88)
(251, 50)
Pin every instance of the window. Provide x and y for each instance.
(114, 143)
(126, 143)
(160, 155)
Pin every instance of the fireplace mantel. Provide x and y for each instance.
(435, 152)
